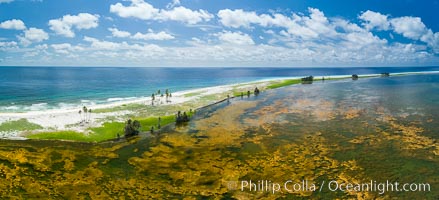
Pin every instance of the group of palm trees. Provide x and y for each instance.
(85, 115)
(307, 80)
(168, 95)
(131, 128)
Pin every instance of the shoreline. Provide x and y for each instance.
(69, 120)
(113, 101)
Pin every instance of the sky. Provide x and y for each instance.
(226, 33)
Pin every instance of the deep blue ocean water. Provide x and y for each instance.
(38, 88)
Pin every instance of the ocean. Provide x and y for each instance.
(24, 89)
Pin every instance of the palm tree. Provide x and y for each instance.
(152, 99)
(136, 126)
(85, 112)
(80, 112)
(89, 114)
(132, 128)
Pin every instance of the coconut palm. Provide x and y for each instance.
(152, 99)
(84, 109)
(136, 126)
(89, 114)
(132, 128)
(354, 77)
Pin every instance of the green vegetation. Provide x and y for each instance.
(19, 125)
(147, 123)
(335, 79)
(238, 94)
(369, 76)
(192, 94)
(62, 135)
(284, 83)
(107, 131)
(132, 106)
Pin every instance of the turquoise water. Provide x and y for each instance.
(39, 88)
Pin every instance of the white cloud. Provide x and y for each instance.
(102, 45)
(150, 35)
(409, 27)
(361, 40)
(173, 4)
(347, 26)
(121, 52)
(109, 19)
(239, 18)
(6, 1)
(10, 44)
(118, 33)
(307, 27)
(145, 11)
(185, 15)
(236, 38)
(296, 39)
(367, 52)
(61, 46)
(317, 27)
(41, 47)
(374, 20)
(15, 24)
(435, 43)
(65, 48)
(137, 9)
(432, 39)
(202, 52)
(63, 26)
(318, 23)
(33, 35)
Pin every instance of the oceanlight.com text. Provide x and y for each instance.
(290, 186)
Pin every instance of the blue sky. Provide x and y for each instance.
(227, 33)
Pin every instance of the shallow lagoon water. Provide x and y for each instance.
(349, 131)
